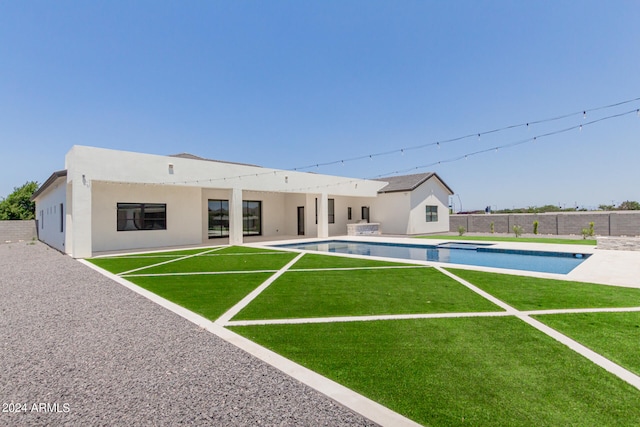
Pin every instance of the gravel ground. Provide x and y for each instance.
(79, 349)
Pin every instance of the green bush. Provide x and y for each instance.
(492, 226)
(517, 230)
(461, 230)
(535, 227)
(589, 232)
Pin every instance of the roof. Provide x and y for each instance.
(409, 182)
(54, 176)
(194, 157)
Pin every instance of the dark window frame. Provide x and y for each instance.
(331, 210)
(150, 216)
(219, 218)
(246, 219)
(431, 213)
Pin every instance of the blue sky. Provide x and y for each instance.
(286, 84)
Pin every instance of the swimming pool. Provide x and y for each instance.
(481, 254)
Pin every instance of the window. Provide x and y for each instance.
(218, 218)
(142, 216)
(432, 213)
(251, 218)
(330, 210)
(61, 218)
(349, 213)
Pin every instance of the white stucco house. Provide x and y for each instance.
(109, 200)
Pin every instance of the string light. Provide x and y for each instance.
(438, 144)
(582, 112)
(508, 145)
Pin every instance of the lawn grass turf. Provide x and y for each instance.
(207, 295)
(503, 238)
(303, 294)
(447, 372)
(532, 293)
(310, 261)
(226, 260)
(122, 263)
(616, 336)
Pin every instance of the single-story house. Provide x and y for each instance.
(108, 200)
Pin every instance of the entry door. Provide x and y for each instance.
(300, 220)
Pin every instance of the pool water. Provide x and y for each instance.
(455, 253)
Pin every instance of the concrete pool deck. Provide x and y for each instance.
(605, 267)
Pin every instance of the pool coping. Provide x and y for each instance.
(606, 267)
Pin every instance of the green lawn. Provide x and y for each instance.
(122, 263)
(465, 371)
(327, 261)
(505, 238)
(531, 293)
(614, 335)
(224, 262)
(207, 295)
(441, 372)
(300, 294)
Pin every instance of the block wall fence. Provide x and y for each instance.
(15, 231)
(605, 223)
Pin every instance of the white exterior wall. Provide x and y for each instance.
(405, 212)
(391, 210)
(291, 203)
(50, 213)
(183, 216)
(431, 193)
(97, 179)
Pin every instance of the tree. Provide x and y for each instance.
(18, 205)
(629, 206)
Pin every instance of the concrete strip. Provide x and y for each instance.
(479, 291)
(581, 310)
(252, 295)
(345, 396)
(300, 321)
(599, 360)
(168, 262)
(385, 267)
(596, 358)
(198, 273)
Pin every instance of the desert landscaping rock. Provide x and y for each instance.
(80, 349)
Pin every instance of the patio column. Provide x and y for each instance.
(235, 217)
(323, 216)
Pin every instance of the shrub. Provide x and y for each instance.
(517, 230)
(588, 232)
(461, 230)
(492, 226)
(535, 227)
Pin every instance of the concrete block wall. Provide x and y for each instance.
(14, 231)
(565, 223)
